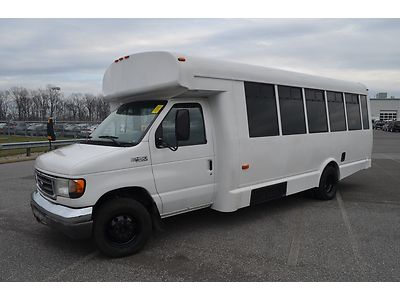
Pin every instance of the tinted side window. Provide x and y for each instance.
(364, 109)
(337, 119)
(166, 130)
(316, 111)
(261, 109)
(353, 111)
(292, 110)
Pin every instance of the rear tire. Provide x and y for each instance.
(328, 184)
(121, 227)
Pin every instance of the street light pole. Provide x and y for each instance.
(50, 125)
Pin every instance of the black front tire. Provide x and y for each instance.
(121, 227)
(328, 184)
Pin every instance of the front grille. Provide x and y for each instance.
(45, 184)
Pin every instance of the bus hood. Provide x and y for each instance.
(81, 159)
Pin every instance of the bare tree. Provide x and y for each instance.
(90, 105)
(102, 109)
(71, 109)
(4, 105)
(44, 104)
(36, 105)
(22, 102)
(40, 104)
(54, 98)
(18, 103)
(77, 100)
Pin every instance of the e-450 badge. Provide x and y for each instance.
(139, 159)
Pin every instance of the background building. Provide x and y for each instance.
(384, 108)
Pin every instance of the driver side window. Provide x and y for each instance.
(197, 135)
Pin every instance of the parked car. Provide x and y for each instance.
(10, 127)
(378, 124)
(394, 126)
(385, 126)
(87, 129)
(31, 129)
(20, 128)
(59, 129)
(36, 129)
(3, 128)
(41, 129)
(71, 130)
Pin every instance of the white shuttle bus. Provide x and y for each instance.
(187, 133)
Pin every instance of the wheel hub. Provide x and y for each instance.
(122, 229)
(329, 184)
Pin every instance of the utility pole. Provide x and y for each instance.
(53, 104)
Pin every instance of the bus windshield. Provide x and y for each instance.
(128, 124)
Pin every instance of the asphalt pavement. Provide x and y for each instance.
(355, 237)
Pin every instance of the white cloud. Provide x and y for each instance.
(74, 53)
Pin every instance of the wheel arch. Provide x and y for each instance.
(137, 193)
(330, 162)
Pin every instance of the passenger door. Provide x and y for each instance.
(184, 178)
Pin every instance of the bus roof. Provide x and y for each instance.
(167, 74)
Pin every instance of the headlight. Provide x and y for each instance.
(70, 188)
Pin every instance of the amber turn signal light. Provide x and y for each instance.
(76, 188)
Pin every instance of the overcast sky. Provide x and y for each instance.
(74, 53)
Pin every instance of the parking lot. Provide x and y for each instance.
(355, 237)
(39, 129)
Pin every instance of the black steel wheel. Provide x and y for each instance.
(328, 184)
(121, 227)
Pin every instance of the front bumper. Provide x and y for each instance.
(74, 222)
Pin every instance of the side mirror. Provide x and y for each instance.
(158, 136)
(182, 125)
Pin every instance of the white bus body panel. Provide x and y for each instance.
(144, 75)
(160, 75)
(182, 177)
(104, 168)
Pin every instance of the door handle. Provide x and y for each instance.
(210, 165)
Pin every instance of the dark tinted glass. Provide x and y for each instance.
(261, 109)
(364, 109)
(316, 111)
(292, 110)
(353, 111)
(337, 119)
(197, 135)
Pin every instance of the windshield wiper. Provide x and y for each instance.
(112, 138)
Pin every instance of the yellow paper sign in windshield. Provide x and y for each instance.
(157, 109)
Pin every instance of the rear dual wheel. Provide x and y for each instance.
(328, 184)
(121, 227)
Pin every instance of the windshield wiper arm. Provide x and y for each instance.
(112, 138)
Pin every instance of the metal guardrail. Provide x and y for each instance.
(29, 145)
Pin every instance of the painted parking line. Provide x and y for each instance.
(390, 157)
(296, 239)
(353, 241)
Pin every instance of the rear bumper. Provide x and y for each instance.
(74, 222)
